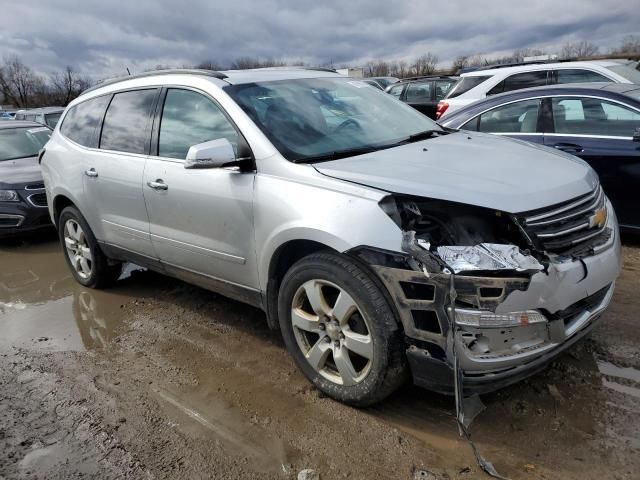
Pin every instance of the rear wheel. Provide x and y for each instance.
(340, 329)
(88, 264)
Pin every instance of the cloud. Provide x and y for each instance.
(104, 38)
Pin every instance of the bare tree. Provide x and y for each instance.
(460, 62)
(18, 82)
(424, 64)
(581, 49)
(630, 45)
(209, 65)
(67, 85)
(519, 54)
(244, 63)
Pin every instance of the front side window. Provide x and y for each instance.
(22, 142)
(594, 116)
(464, 84)
(318, 119)
(82, 121)
(575, 75)
(518, 117)
(126, 123)
(189, 118)
(419, 92)
(525, 80)
(396, 91)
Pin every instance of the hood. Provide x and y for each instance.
(472, 168)
(21, 170)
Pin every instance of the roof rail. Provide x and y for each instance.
(151, 73)
(321, 69)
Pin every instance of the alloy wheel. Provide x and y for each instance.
(332, 332)
(78, 249)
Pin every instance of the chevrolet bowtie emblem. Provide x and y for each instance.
(599, 218)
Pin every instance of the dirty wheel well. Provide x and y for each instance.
(285, 256)
(60, 203)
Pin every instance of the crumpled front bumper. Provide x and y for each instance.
(571, 294)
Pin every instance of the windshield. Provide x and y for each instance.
(465, 84)
(309, 119)
(22, 142)
(51, 119)
(627, 72)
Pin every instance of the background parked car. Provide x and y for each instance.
(599, 123)
(6, 116)
(48, 116)
(23, 201)
(474, 86)
(381, 82)
(423, 94)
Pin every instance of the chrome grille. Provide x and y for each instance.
(35, 186)
(38, 199)
(568, 225)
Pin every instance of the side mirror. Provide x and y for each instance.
(636, 135)
(212, 154)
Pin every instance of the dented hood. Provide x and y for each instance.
(472, 168)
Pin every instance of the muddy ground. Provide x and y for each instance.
(158, 379)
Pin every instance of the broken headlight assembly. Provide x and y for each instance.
(463, 237)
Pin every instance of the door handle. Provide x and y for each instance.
(91, 173)
(569, 147)
(158, 185)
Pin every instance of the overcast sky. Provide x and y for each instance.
(103, 38)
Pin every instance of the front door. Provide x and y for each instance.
(113, 173)
(601, 132)
(200, 220)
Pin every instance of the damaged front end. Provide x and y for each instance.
(489, 297)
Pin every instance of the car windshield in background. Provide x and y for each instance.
(22, 142)
(627, 72)
(51, 119)
(465, 84)
(322, 118)
(386, 81)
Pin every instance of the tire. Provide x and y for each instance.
(340, 329)
(88, 264)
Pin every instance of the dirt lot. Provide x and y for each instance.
(159, 379)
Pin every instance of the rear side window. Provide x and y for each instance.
(126, 124)
(579, 76)
(189, 118)
(442, 87)
(517, 117)
(419, 92)
(525, 80)
(465, 84)
(82, 121)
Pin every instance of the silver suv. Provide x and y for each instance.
(379, 243)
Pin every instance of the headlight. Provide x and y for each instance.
(9, 196)
(487, 256)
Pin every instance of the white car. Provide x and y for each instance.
(476, 85)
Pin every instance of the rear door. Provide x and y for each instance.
(421, 96)
(113, 175)
(201, 220)
(601, 132)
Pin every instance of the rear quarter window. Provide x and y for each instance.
(83, 120)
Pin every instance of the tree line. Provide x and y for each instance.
(22, 87)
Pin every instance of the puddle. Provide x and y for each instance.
(43, 307)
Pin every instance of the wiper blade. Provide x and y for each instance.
(424, 135)
(338, 154)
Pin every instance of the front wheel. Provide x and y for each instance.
(340, 329)
(89, 266)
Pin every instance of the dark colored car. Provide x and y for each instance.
(23, 201)
(381, 82)
(599, 123)
(423, 94)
